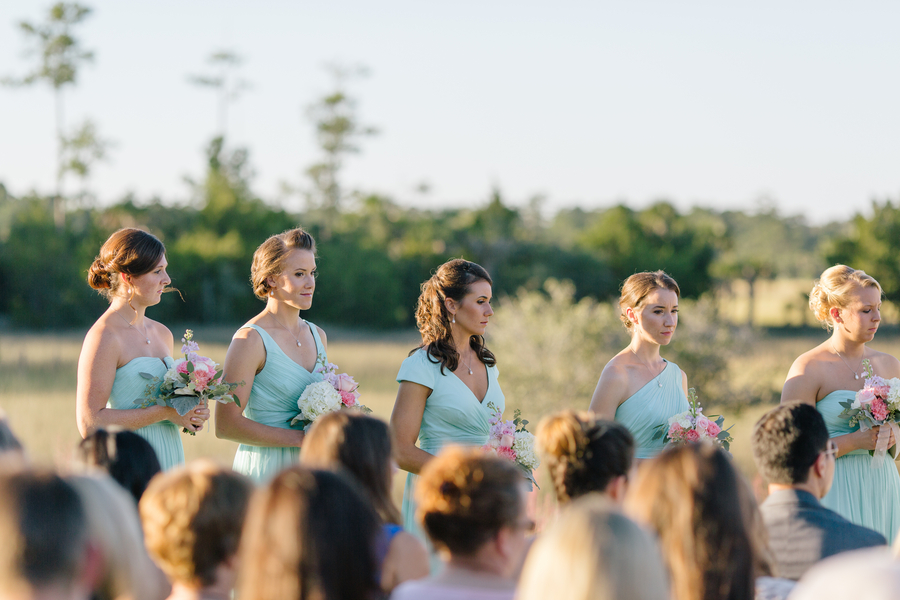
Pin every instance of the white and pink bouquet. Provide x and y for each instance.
(510, 440)
(192, 380)
(693, 426)
(336, 391)
(876, 404)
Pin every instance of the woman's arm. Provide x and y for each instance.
(406, 420)
(610, 391)
(406, 559)
(245, 358)
(97, 365)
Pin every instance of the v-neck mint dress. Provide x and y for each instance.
(652, 405)
(128, 386)
(863, 495)
(273, 402)
(453, 415)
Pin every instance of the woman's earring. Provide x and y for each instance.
(453, 319)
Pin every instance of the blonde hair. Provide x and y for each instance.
(192, 519)
(268, 260)
(833, 290)
(593, 552)
(637, 287)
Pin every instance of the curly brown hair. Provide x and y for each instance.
(452, 280)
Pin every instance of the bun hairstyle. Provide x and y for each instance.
(833, 289)
(452, 280)
(465, 497)
(638, 286)
(268, 260)
(583, 453)
(128, 251)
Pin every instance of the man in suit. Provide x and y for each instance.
(794, 454)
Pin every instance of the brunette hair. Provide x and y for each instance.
(192, 519)
(787, 440)
(465, 497)
(691, 497)
(357, 444)
(268, 260)
(583, 453)
(833, 289)
(636, 288)
(309, 535)
(126, 456)
(452, 280)
(128, 251)
(594, 552)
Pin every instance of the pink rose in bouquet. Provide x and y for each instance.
(510, 440)
(692, 436)
(693, 426)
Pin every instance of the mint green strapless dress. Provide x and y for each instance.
(453, 415)
(128, 386)
(652, 405)
(866, 496)
(273, 402)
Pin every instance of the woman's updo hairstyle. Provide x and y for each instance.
(583, 453)
(638, 286)
(452, 280)
(128, 251)
(465, 497)
(833, 289)
(268, 260)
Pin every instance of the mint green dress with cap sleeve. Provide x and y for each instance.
(652, 405)
(128, 386)
(273, 402)
(453, 415)
(863, 495)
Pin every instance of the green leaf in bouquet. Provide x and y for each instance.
(720, 420)
(189, 366)
(184, 404)
(218, 375)
(727, 445)
(723, 435)
(846, 404)
(147, 376)
(185, 377)
(161, 402)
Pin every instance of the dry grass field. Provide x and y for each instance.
(37, 384)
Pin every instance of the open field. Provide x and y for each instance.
(37, 384)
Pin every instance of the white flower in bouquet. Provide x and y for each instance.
(317, 399)
(524, 447)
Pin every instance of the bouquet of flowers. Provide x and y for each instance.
(510, 440)
(693, 426)
(876, 404)
(193, 379)
(336, 391)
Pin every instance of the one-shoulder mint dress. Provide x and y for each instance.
(866, 496)
(129, 386)
(652, 405)
(453, 415)
(273, 402)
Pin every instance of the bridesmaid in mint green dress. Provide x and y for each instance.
(448, 385)
(275, 354)
(849, 302)
(638, 388)
(131, 273)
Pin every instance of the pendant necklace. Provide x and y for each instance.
(127, 322)
(655, 377)
(841, 356)
(285, 328)
(467, 364)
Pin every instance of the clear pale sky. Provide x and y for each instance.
(587, 103)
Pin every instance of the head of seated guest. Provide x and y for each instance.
(585, 454)
(128, 458)
(46, 552)
(192, 518)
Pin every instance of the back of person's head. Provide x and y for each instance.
(593, 552)
(192, 519)
(690, 496)
(465, 497)
(44, 538)
(583, 453)
(869, 574)
(786, 442)
(126, 456)
(357, 444)
(309, 535)
(127, 571)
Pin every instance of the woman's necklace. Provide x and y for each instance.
(467, 364)
(655, 377)
(841, 356)
(285, 328)
(127, 322)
